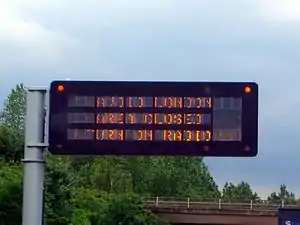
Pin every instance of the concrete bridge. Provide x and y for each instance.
(189, 212)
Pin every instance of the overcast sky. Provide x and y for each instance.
(187, 40)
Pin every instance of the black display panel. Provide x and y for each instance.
(153, 118)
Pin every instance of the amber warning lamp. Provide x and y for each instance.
(60, 88)
(247, 89)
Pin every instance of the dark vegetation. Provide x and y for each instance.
(105, 190)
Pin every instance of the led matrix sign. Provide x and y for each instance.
(153, 118)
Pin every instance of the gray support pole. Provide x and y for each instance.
(33, 185)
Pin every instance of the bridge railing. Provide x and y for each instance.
(217, 204)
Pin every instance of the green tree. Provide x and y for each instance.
(182, 177)
(111, 174)
(92, 206)
(10, 193)
(60, 180)
(12, 124)
(283, 195)
(87, 206)
(13, 114)
(127, 209)
(151, 176)
(240, 192)
(11, 144)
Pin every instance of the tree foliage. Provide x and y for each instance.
(282, 195)
(13, 114)
(11, 143)
(12, 124)
(92, 206)
(240, 192)
(10, 193)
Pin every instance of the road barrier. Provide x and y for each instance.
(218, 204)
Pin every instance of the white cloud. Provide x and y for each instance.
(81, 12)
(33, 42)
(281, 10)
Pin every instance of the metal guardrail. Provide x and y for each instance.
(188, 203)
